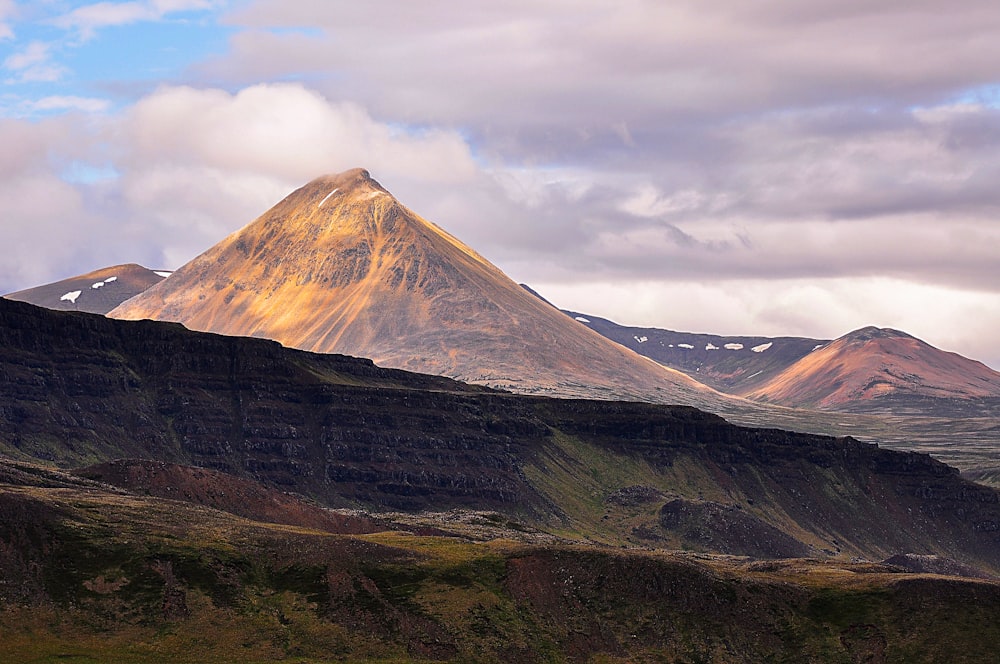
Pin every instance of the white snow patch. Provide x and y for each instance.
(761, 348)
(688, 346)
(71, 296)
(733, 346)
(162, 273)
(97, 285)
(755, 374)
(582, 319)
(711, 346)
(110, 279)
(641, 340)
(818, 346)
(327, 198)
(670, 346)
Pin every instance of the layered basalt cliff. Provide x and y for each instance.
(79, 389)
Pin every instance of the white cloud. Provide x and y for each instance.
(286, 131)
(203, 163)
(632, 64)
(34, 64)
(6, 10)
(88, 19)
(35, 53)
(807, 151)
(71, 103)
(821, 309)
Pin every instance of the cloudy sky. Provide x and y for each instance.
(800, 167)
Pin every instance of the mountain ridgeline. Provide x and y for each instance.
(96, 292)
(81, 389)
(873, 370)
(340, 266)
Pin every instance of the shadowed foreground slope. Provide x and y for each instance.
(81, 389)
(87, 574)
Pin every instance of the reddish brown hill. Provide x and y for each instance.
(96, 292)
(222, 491)
(875, 365)
(341, 266)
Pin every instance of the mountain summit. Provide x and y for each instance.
(341, 266)
(96, 292)
(874, 366)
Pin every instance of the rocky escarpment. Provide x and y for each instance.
(82, 389)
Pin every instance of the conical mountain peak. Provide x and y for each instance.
(355, 182)
(341, 266)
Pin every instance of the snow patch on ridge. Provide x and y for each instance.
(582, 319)
(110, 279)
(733, 346)
(687, 346)
(641, 340)
(162, 273)
(711, 346)
(71, 296)
(761, 348)
(97, 285)
(327, 198)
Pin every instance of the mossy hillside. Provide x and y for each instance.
(241, 590)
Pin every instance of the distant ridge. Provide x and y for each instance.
(341, 266)
(96, 292)
(731, 364)
(875, 370)
(872, 366)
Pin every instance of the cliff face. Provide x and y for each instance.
(82, 389)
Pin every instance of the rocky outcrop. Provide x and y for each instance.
(728, 529)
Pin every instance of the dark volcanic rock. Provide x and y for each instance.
(728, 529)
(926, 564)
(635, 495)
(79, 389)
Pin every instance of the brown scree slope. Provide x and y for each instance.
(340, 266)
(872, 365)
